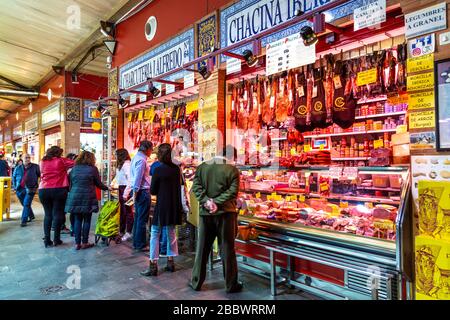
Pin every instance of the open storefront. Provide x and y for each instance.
(31, 138)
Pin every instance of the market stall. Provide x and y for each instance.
(31, 138)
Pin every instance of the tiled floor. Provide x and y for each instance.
(30, 271)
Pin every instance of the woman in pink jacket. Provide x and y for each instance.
(53, 190)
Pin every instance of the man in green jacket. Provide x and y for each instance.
(216, 186)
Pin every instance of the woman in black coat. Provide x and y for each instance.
(166, 185)
(82, 198)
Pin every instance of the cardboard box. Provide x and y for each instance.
(401, 150)
(432, 264)
(400, 138)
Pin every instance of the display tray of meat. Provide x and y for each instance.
(374, 222)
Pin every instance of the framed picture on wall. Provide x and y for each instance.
(442, 96)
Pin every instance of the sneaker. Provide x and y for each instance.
(127, 236)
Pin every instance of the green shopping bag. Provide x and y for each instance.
(108, 220)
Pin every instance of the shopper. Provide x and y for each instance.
(25, 181)
(124, 181)
(64, 229)
(140, 184)
(166, 185)
(4, 167)
(216, 186)
(53, 191)
(82, 200)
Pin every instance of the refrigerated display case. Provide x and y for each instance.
(336, 232)
(108, 169)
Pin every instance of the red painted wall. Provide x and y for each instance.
(181, 14)
(89, 86)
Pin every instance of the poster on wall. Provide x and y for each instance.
(422, 140)
(429, 167)
(421, 46)
(208, 134)
(442, 73)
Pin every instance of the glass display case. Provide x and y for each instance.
(109, 136)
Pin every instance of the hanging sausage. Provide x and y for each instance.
(392, 74)
(300, 103)
(318, 107)
(401, 78)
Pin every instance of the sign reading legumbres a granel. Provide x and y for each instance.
(425, 21)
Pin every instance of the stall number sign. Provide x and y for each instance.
(142, 98)
(421, 100)
(420, 82)
(288, 53)
(133, 99)
(189, 80)
(233, 65)
(373, 12)
(420, 63)
(421, 46)
(366, 77)
(423, 119)
(170, 88)
(31, 125)
(425, 21)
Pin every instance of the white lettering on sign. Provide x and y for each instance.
(189, 80)
(372, 13)
(256, 16)
(167, 57)
(170, 88)
(427, 20)
(31, 125)
(51, 115)
(288, 53)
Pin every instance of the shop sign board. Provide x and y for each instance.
(421, 63)
(288, 53)
(422, 119)
(51, 115)
(421, 46)
(133, 98)
(189, 80)
(422, 81)
(425, 21)
(169, 56)
(7, 135)
(421, 100)
(142, 98)
(1, 137)
(366, 77)
(17, 132)
(373, 12)
(170, 88)
(233, 65)
(31, 125)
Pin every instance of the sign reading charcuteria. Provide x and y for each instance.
(164, 58)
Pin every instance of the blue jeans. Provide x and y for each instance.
(142, 210)
(171, 241)
(26, 198)
(163, 241)
(82, 226)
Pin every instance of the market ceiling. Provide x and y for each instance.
(38, 34)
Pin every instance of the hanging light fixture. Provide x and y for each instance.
(123, 103)
(107, 28)
(308, 35)
(75, 78)
(17, 116)
(153, 90)
(250, 58)
(204, 72)
(30, 107)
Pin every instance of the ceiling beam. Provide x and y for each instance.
(16, 84)
(11, 100)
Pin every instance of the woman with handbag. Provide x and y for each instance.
(166, 185)
(82, 200)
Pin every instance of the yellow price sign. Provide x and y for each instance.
(288, 198)
(130, 117)
(422, 81)
(335, 211)
(306, 148)
(378, 144)
(401, 129)
(258, 195)
(421, 100)
(293, 151)
(366, 77)
(302, 198)
(278, 154)
(258, 147)
(141, 115)
(343, 204)
(368, 205)
(422, 63)
(241, 212)
(294, 197)
(321, 147)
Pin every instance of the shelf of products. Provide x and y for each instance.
(381, 115)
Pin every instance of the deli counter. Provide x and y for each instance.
(337, 232)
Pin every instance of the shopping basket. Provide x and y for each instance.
(108, 223)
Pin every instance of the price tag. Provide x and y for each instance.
(314, 93)
(337, 82)
(343, 204)
(269, 198)
(335, 211)
(301, 91)
(293, 151)
(294, 197)
(288, 198)
(241, 151)
(272, 102)
(141, 115)
(278, 154)
(291, 98)
(306, 148)
(258, 195)
(241, 212)
(274, 194)
(321, 147)
(378, 143)
(130, 117)
(258, 147)
(368, 205)
(401, 129)
(301, 198)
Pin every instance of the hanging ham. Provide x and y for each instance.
(401, 78)
(349, 99)
(343, 110)
(300, 104)
(282, 105)
(318, 107)
(242, 120)
(253, 118)
(268, 112)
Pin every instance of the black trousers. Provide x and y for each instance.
(53, 200)
(224, 228)
(126, 213)
(82, 227)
